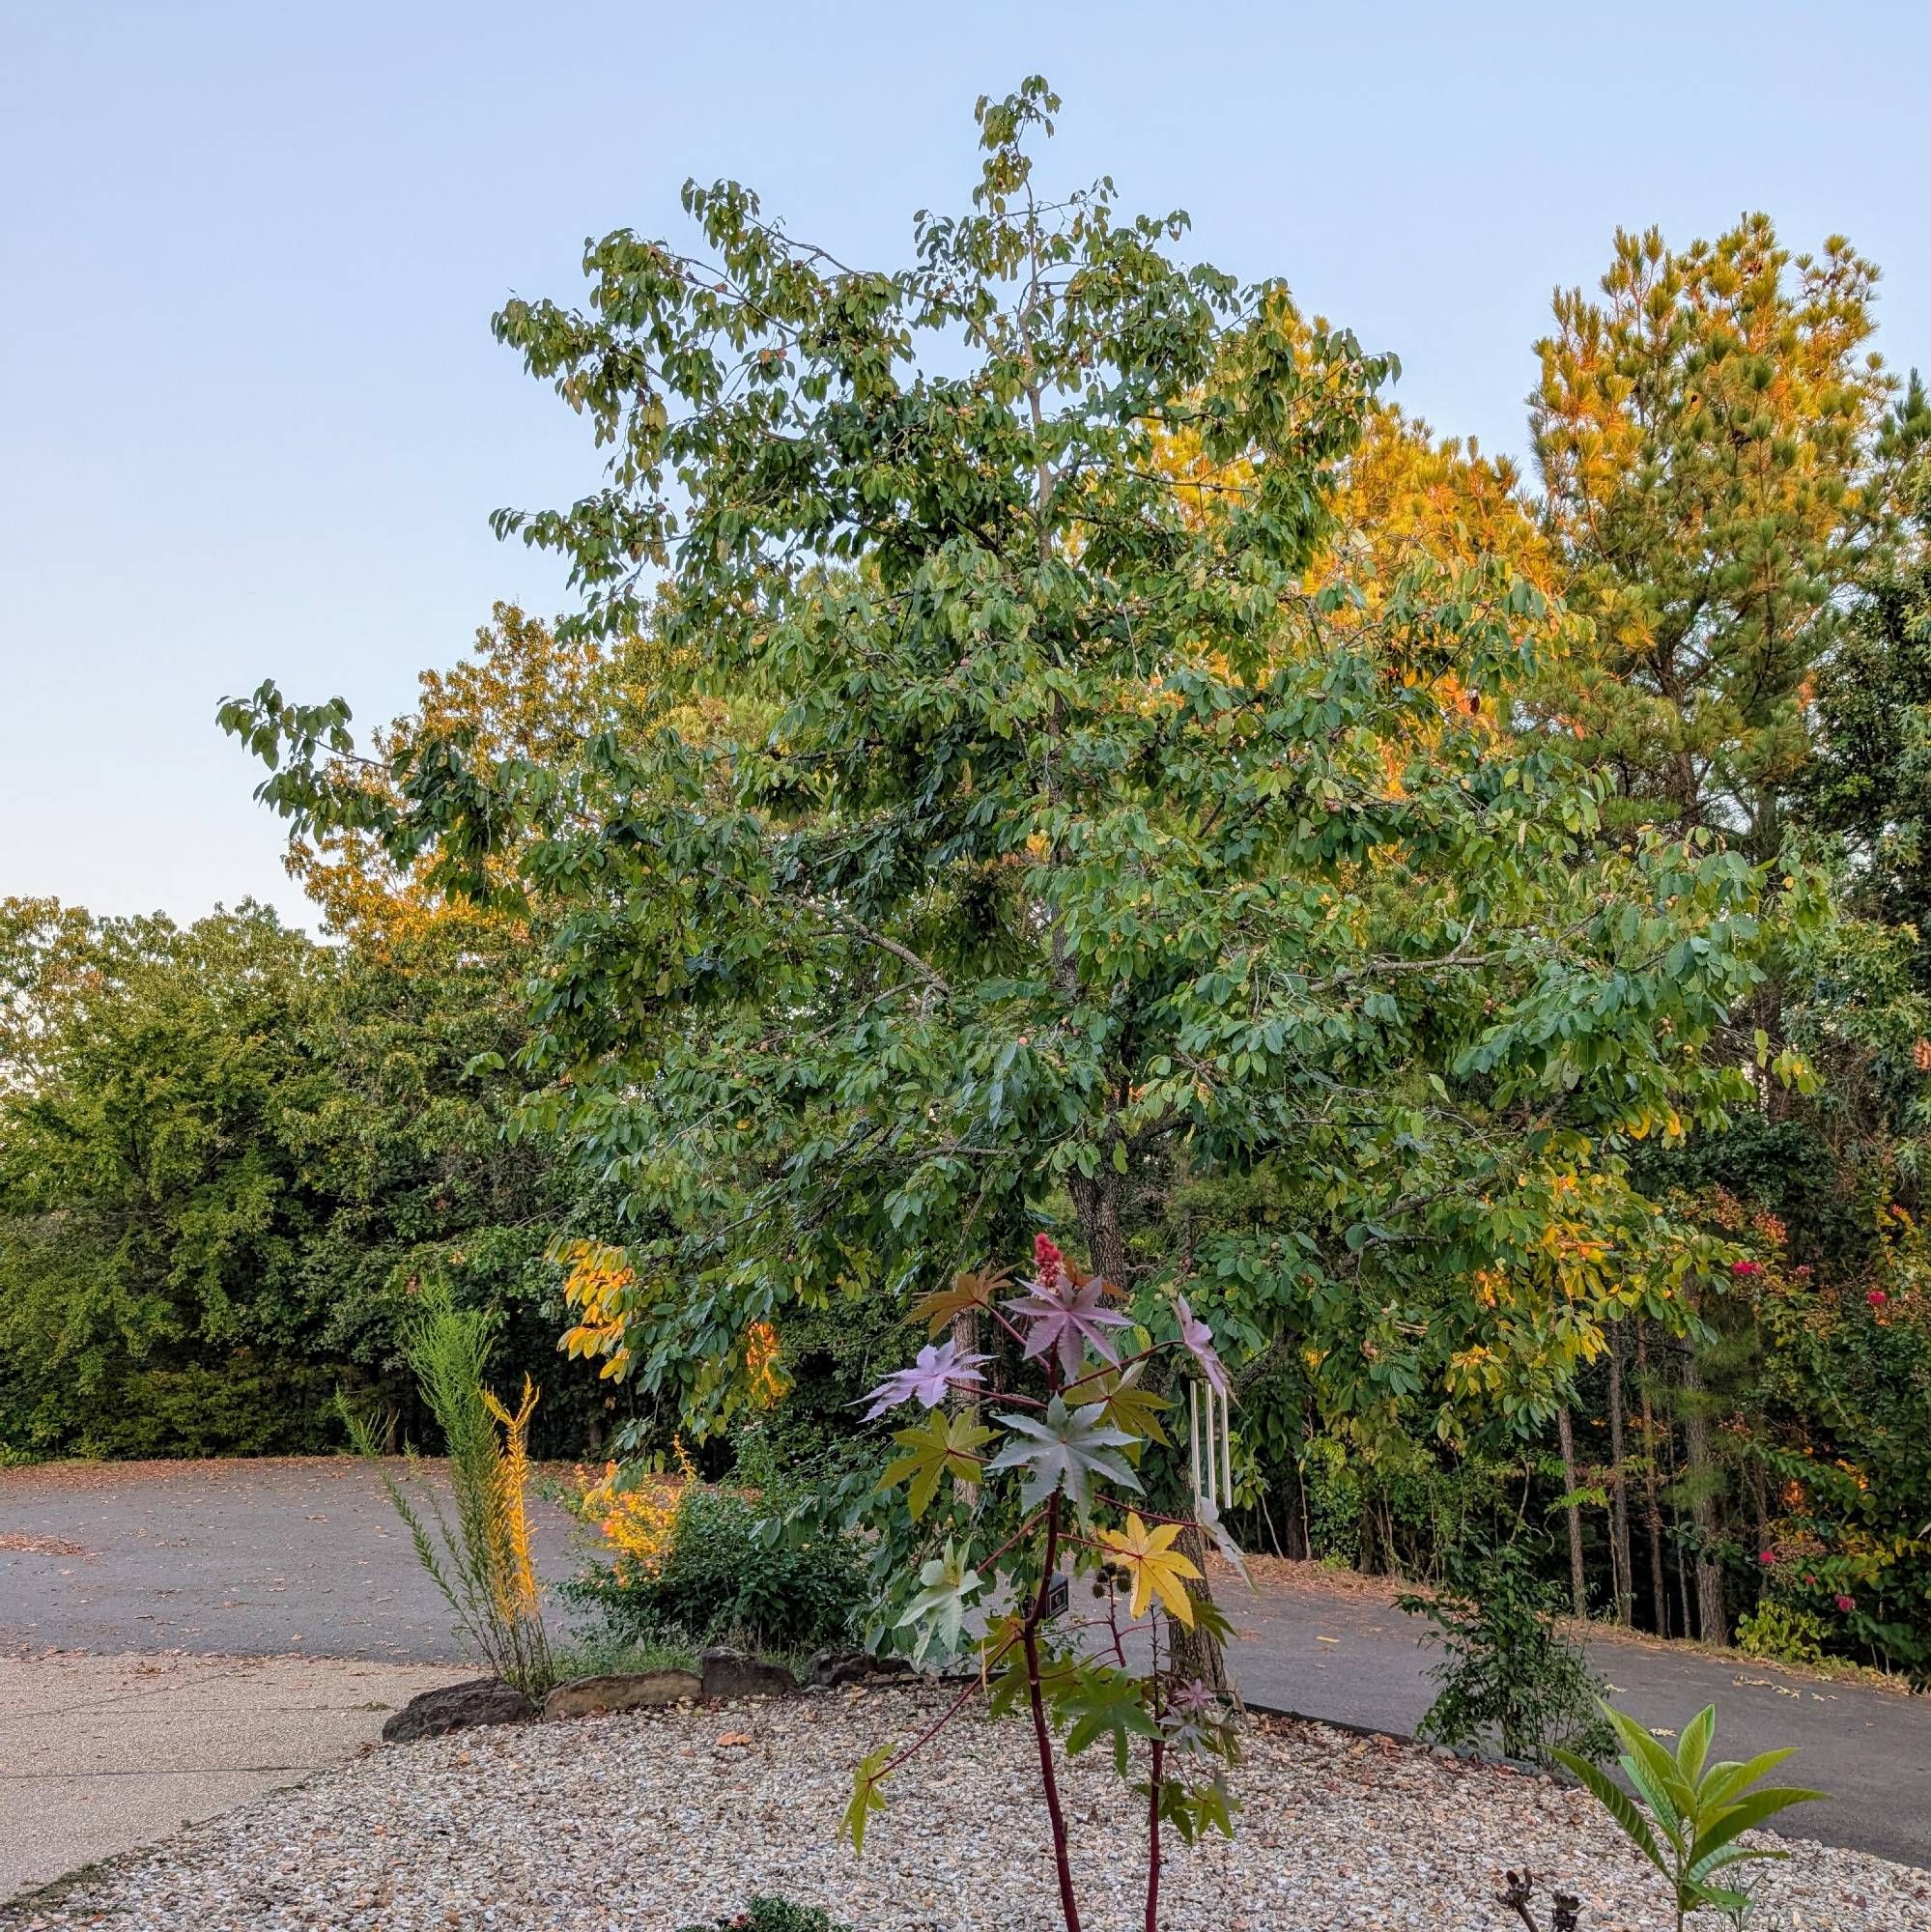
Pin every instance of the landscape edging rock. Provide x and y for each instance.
(620, 1691)
(458, 1707)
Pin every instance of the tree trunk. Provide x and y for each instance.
(1197, 1655)
(1097, 1202)
(1578, 1590)
(1619, 1488)
(1711, 1625)
(1658, 1580)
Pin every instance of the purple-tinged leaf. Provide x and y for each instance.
(938, 1369)
(1069, 1317)
(1196, 1339)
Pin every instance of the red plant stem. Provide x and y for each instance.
(1003, 1322)
(930, 1731)
(1153, 1838)
(1068, 1906)
(1024, 1530)
(1153, 1793)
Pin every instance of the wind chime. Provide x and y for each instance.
(1212, 1478)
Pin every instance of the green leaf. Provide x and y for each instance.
(1745, 1815)
(867, 1796)
(1651, 1769)
(1126, 1406)
(1693, 1747)
(938, 1611)
(1065, 1450)
(942, 1444)
(1723, 1781)
(1101, 1701)
(1615, 1801)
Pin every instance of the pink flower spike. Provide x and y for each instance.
(1047, 1259)
(1196, 1339)
(937, 1370)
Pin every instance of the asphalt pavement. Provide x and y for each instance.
(1321, 1648)
(304, 1558)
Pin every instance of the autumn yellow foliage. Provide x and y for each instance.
(638, 1523)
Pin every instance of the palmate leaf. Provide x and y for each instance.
(1064, 1451)
(1196, 1339)
(938, 1611)
(941, 1368)
(1156, 1568)
(1068, 1317)
(945, 1305)
(945, 1443)
(1191, 1808)
(868, 1797)
(1126, 1405)
(1100, 1701)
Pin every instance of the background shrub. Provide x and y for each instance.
(1509, 1677)
(722, 1580)
(774, 1915)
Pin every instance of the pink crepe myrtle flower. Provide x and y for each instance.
(1746, 1268)
(1847, 1602)
(1767, 1557)
(1877, 1297)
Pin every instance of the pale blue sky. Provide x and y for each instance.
(253, 421)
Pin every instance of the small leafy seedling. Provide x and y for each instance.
(1697, 1811)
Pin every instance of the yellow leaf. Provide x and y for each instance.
(1156, 1568)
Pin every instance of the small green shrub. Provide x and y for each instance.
(1332, 1488)
(1783, 1634)
(775, 1915)
(722, 1580)
(1509, 1676)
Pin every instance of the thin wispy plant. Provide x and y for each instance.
(478, 1549)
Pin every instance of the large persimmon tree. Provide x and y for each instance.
(1070, 824)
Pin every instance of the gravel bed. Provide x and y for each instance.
(649, 1823)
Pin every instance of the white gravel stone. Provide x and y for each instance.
(649, 1823)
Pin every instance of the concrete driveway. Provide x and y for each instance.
(101, 1753)
(237, 1559)
(176, 1637)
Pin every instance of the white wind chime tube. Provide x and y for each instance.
(1213, 1479)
